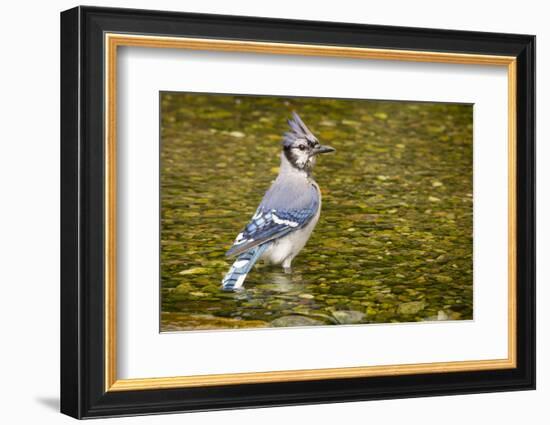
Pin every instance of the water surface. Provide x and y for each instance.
(394, 240)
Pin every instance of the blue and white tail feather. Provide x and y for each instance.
(234, 278)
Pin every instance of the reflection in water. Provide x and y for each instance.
(394, 241)
(284, 282)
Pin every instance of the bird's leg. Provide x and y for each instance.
(287, 265)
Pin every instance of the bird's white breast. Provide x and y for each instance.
(288, 247)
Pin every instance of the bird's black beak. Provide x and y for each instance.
(322, 149)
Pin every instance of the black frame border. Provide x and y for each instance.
(82, 212)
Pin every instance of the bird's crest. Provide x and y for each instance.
(298, 131)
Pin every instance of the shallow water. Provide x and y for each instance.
(394, 240)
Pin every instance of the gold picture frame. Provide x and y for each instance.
(114, 41)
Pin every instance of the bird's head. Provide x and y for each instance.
(300, 146)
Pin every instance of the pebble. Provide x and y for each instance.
(411, 307)
(286, 321)
(443, 279)
(195, 270)
(348, 317)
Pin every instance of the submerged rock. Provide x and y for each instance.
(171, 322)
(443, 279)
(295, 320)
(184, 288)
(195, 270)
(348, 317)
(412, 307)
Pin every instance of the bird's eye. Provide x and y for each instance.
(302, 147)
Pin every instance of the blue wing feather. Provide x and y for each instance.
(269, 224)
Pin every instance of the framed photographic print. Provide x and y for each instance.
(261, 212)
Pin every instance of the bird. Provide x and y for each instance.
(288, 212)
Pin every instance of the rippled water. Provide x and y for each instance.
(394, 241)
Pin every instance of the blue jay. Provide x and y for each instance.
(288, 212)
